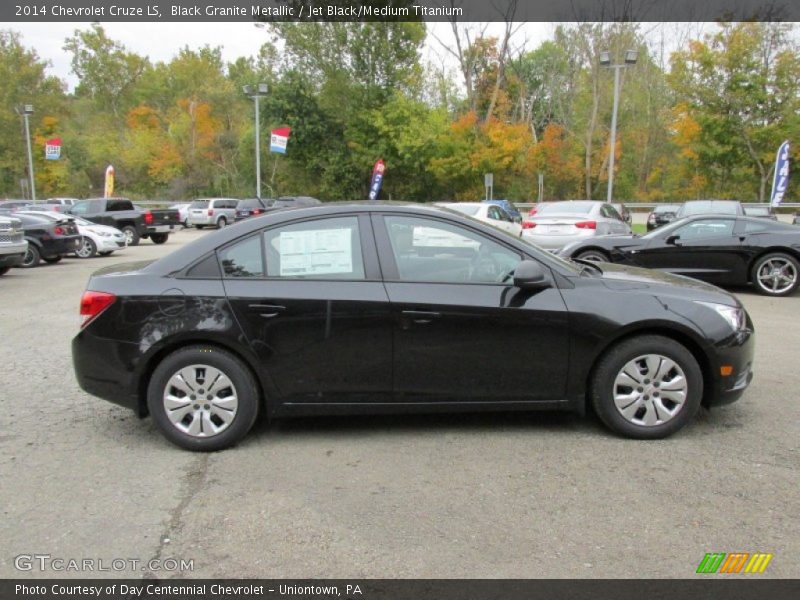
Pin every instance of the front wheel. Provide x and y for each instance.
(203, 398)
(87, 249)
(131, 235)
(647, 387)
(776, 274)
(159, 238)
(593, 255)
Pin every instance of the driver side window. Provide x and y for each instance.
(427, 250)
(705, 228)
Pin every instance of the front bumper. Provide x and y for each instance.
(111, 244)
(737, 353)
(13, 254)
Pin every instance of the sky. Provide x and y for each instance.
(161, 41)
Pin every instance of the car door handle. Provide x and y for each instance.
(422, 317)
(266, 310)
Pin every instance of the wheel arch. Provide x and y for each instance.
(602, 251)
(153, 360)
(770, 250)
(682, 337)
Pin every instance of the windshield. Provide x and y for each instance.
(466, 209)
(579, 207)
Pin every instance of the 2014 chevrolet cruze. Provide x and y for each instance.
(378, 308)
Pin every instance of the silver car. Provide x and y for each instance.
(557, 224)
(213, 212)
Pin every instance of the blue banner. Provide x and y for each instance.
(377, 180)
(781, 179)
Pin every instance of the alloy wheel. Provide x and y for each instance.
(650, 390)
(85, 249)
(776, 275)
(200, 400)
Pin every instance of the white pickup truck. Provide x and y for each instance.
(13, 245)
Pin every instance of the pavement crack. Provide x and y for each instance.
(195, 478)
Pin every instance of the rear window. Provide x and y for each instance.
(565, 208)
(199, 204)
(115, 205)
(252, 203)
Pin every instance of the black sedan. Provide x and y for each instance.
(724, 250)
(251, 207)
(661, 215)
(390, 308)
(49, 238)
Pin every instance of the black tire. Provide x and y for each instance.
(32, 257)
(199, 226)
(131, 234)
(610, 366)
(51, 260)
(159, 238)
(791, 269)
(107, 253)
(233, 368)
(593, 255)
(4, 270)
(221, 222)
(88, 248)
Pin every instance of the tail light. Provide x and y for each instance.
(532, 211)
(148, 218)
(94, 303)
(586, 224)
(528, 224)
(257, 211)
(210, 212)
(58, 230)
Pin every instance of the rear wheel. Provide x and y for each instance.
(51, 260)
(87, 249)
(647, 387)
(203, 398)
(131, 235)
(4, 270)
(776, 274)
(159, 238)
(593, 255)
(221, 222)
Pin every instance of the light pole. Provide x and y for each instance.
(256, 93)
(25, 110)
(605, 61)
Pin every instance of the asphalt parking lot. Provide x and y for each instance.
(521, 495)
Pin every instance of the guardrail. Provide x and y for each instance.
(651, 205)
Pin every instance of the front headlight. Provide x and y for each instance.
(733, 315)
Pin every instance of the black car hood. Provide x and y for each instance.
(621, 277)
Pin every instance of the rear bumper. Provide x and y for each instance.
(202, 220)
(61, 246)
(159, 229)
(738, 354)
(105, 368)
(555, 242)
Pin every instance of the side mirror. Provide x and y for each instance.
(673, 240)
(530, 275)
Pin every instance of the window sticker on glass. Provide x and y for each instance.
(315, 252)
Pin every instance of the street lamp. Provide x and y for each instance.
(25, 110)
(605, 61)
(259, 91)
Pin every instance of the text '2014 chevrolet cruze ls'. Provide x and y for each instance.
(381, 308)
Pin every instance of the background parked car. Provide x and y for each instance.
(95, 239)
(661, 215)
(557, 224)
(623, 211)
(13, 245)
(509, 207)
(13, 205)
(49, 238)
(493, 214)
(135, 223)
(183, 212)
(719, 249)
(710, 207)
(796, 220)
(762, 212)
(212, 212)
(534, 209)
(250, 207)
